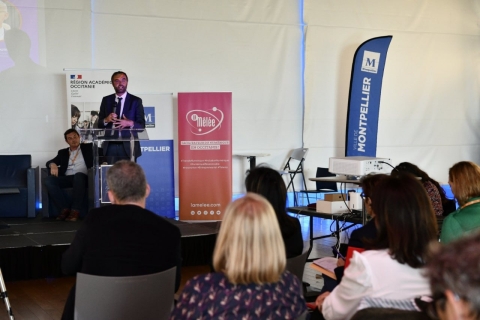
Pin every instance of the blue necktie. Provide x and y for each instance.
(118, 108)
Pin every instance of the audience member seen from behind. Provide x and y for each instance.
(464, 179)
(251, 280)
(269, 183)
(123, 239)
(392, 270)
(369, 230)
(455, 279)
(441, 204)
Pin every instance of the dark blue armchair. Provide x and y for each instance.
(19, 186)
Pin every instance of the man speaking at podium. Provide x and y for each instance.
(121, 110)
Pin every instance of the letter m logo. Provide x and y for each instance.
(370, 61)
(149, 117)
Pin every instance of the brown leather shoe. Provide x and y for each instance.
(65, 213)
(73, 216)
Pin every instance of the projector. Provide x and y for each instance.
(359, 166)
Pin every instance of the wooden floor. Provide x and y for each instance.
(44, 298)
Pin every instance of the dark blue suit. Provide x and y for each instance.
(132, 110)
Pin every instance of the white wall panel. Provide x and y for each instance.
(251, 48)
(429, 111)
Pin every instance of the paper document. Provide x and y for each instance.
(326, 266)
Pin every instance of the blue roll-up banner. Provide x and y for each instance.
(157, 163)
(364, 98)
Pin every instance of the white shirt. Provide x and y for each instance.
(76, 163)
(373, 275)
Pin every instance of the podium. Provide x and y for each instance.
(102, 136)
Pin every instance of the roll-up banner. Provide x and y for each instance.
(205, 154)
(364, 98)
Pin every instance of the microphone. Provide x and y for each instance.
(115, 107)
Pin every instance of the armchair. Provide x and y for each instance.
(18, 186)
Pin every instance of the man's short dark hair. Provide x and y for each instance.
(127, 181)
(68, 132)
(94, 113)
(118, 72)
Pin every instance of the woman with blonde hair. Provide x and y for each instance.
(251, 281)
(464, 179)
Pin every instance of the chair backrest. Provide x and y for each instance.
(13, 170)
(296, 265)
(299, 154)
(389, 313)
(303, 316)
(325, 185)
(138, 297)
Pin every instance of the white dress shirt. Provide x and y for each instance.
(373, 276)
(76, 163)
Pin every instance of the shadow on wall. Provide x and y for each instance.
(30, 97)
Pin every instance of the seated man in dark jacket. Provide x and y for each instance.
(123, 239)
(69, 170)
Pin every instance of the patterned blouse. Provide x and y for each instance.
(212, 296)
(434, 195)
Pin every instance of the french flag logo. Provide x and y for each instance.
(78, 76)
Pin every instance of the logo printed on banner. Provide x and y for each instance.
(371, 60)
(149, 117)
(203, 122)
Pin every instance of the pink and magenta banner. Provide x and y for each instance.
(205, 154)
